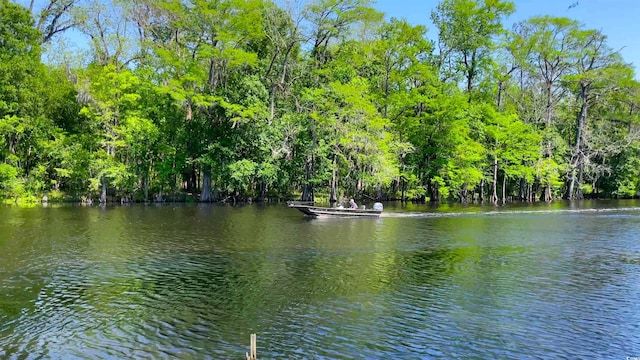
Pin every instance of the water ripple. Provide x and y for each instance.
(194, 282)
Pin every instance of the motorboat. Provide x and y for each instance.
(309, 209)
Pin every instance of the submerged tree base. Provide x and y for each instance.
(60, 198)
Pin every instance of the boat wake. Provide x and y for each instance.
(603, 211)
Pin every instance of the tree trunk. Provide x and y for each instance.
(189, 114)
(464, 193)
(435, 192)
(470, 72)
(534, 190)
(579, 194)
(520, 186)
(403, 189)
(103, 193)
(500, 90)
(504, 188)
(494, 195)
(307, 191)
(280, 85)
(481, 195)
(146, 187)
(547, 195)
(385, 110)
(193, 179)
(272, 103)
(205, 195)
(333, 197)
(548, 113)
(263, 191)
(572, 180)
(577, 163)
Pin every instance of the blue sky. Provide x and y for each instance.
(618, 19)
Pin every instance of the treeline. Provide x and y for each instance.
(251, 99)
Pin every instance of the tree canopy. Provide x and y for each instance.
(231, 100)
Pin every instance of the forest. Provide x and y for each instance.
(256, 100)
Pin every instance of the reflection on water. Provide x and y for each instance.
(547, 281)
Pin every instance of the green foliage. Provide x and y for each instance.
(250, 99)
(242, 173)
(19, 60)
(548, 172)
(10, 184)
(466, 33)
(515, 144)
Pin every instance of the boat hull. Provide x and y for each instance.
(317, 211)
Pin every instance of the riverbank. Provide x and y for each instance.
(60, 198)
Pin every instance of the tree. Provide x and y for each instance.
(19, 61)
(550, 42)
(467, 29)
(401, 71)
(23, 125)
(513, 148)
(598, 71)
(54, 17)
(331, 21)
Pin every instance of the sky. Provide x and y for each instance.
(618, 19)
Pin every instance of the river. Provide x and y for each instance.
(559, 280)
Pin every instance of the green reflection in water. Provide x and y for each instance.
(188, 281)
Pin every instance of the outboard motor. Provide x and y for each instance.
(377, 206)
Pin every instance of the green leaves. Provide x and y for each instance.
(239, 98)
(242, 173)
(515, 144)
(20, 67)
(467, 30)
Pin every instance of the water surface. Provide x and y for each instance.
(193, 281)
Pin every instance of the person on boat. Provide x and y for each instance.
(352, 204)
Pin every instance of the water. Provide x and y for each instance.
(192, 282)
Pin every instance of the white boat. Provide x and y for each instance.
(309, 209)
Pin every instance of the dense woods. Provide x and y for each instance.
(231, 100)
